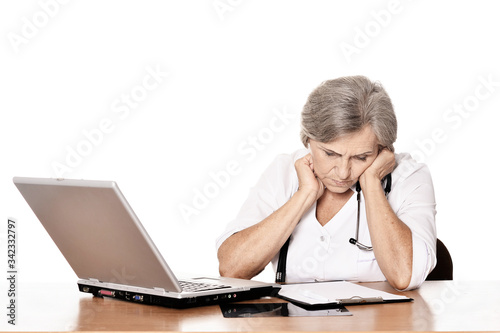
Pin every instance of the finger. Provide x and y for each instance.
(309, 161)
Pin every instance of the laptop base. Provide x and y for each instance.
(179, 303)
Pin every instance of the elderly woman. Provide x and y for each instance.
(346, 207)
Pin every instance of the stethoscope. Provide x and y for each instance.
(281, 268)
(387, 189)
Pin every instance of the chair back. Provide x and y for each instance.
(444, 266)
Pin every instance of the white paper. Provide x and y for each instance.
(333, 292)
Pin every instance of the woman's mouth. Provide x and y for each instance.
(341, 183)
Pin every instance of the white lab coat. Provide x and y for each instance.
(323, 253)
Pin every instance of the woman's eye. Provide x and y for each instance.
(330, 153)
(361, 158)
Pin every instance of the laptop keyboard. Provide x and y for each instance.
(199, 286)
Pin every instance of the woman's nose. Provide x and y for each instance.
(344, 170)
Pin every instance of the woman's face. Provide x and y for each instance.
(340, 163)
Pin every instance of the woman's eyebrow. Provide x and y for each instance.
(330, 151)
(365, 153)
(334, 152)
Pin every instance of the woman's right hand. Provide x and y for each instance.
(308, 182)
(247, 252)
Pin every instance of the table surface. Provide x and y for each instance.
(437, 306)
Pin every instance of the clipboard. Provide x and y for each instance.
(323, 295)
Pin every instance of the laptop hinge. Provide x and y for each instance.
(159, 289)
(93, 280)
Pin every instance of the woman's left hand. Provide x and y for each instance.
(391, 238)
(381, 166)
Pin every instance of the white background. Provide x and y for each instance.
(65, 68)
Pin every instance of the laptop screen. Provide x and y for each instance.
(97, 232)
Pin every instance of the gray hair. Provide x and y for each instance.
(344, 106)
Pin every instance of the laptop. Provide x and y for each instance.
(111, 253)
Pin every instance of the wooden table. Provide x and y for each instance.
(437, 306)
